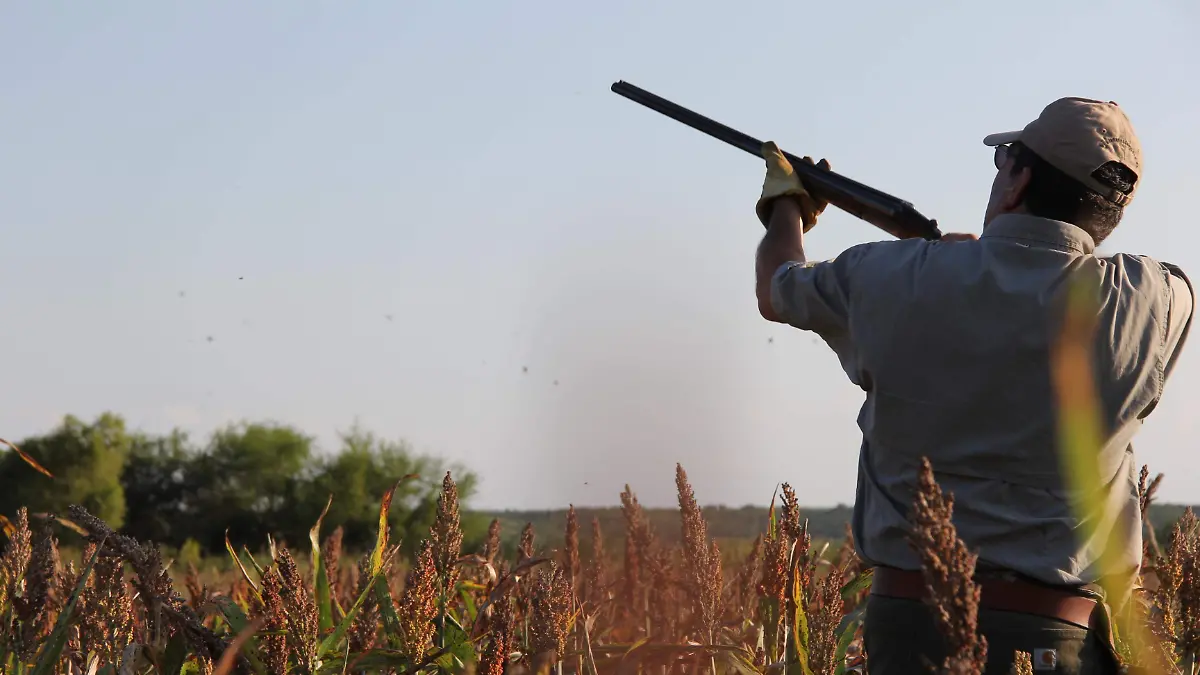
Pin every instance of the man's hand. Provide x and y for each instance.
(782, 181)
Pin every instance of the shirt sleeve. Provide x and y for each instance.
(1179, 315)
(815, 296)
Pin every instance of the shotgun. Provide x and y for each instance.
(890, 214)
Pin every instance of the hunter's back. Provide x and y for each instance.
(952, 344)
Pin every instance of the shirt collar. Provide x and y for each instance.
(1036, 230)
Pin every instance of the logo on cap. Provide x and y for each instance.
(1045, 659)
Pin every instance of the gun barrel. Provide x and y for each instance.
(889, 213)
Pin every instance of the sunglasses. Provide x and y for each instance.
(1002, 154)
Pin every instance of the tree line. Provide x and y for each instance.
(250, 479)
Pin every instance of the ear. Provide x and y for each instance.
(1014, 195)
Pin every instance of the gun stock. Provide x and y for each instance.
(890, 214)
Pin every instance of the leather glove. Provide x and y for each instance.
(782, 181)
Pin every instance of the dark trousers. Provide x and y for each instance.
(900, 637)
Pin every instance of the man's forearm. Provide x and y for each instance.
(783, 242)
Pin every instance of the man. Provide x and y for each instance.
(951, 342)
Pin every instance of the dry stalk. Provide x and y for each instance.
(640, 561)
(744, 592)
(948, 568)
(1184, 559)
(702, 558)
(1146, 493)
(196, 591)
(847, 557)
(597, 572)
(331, 554)
(664, 604)
(571, 548)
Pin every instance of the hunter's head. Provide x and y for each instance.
(1078, 162)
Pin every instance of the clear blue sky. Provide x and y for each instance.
(283, 176)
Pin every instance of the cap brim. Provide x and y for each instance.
(1002, 138)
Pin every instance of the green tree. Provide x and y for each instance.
(87, 461)
(160, 485)
(250, 479)
(363, 469)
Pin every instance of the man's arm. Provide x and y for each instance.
(783, 243)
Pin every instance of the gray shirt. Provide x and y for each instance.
(951, 343)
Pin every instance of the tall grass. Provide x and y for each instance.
(656, 609)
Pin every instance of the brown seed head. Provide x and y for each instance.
(154, 586)
(789, 519)
(525, 549)
(491, 545)
(36, 610)
(301, 611)
(494, 659)
(274, 647)
(105, 608)
(447, 536)
(824, 615)
(17, 554)
(774, 567)
(551, 612)
(418, 607)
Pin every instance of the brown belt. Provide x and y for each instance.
(996, 594)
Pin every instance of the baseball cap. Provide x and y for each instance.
(1078, 136)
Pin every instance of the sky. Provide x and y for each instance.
(435, 220)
